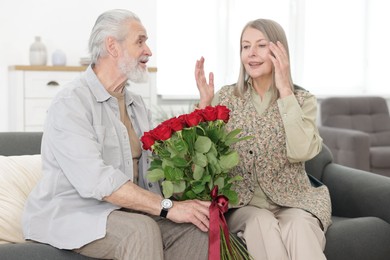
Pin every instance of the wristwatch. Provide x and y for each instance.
(166, 204)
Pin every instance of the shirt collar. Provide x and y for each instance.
(95, 86)
(99, 91)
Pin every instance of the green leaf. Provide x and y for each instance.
(155, 175)
(167, 163)
(190, 195)
(179, 187)
(233, 133)
(211, 184)
(231, 195)
(229, 161)
(198, 172)
(189, 136)
(235, 178)
(198, 188)
(173, 173)
(179, 162)
(200, 159)
(235, 140)
(220, 182)
(155, 163)
(202, 144)
(167, 187)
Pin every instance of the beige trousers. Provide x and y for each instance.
(136, 236)
(280, 234)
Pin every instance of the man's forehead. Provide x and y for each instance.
(137, 30)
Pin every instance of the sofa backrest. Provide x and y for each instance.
(369, 114)
(20, 143)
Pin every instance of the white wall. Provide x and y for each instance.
(62, 25)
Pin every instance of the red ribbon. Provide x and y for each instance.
(219, 205)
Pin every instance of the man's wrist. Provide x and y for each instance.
(166, 205)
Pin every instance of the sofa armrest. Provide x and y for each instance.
(357, 193)
(349, 147)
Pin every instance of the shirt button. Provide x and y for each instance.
(150, 185)
(250, 152)
(147, 160)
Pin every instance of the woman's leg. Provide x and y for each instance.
(261, 232)
(301, 233)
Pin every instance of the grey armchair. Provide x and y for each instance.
(357, 131)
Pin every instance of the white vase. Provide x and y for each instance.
(58, 58)
(38, 54)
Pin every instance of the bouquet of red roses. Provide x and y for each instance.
(192, 158)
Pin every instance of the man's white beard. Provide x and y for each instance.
(134, 73)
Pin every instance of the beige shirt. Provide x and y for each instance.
(296, 143)
(135, 144)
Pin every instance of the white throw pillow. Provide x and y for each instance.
(18, 176)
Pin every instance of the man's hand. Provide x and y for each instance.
(191, 211)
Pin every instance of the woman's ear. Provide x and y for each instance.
(112, 46)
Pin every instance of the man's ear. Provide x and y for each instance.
(112, 46)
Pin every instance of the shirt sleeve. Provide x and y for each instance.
(302, 137)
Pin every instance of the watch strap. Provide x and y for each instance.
(164, 213)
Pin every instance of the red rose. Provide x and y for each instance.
(162, 132)
(175, 123)
(182, 118)
(147, 140)
(194, 118)
(222, 113)
(209, 113)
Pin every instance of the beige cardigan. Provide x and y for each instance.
(263, 159)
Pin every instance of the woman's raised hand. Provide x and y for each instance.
(282, 68)
(206, 90)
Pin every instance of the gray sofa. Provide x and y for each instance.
(360, 201)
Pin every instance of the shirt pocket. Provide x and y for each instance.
(109, 145)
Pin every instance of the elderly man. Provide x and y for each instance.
(94, 197)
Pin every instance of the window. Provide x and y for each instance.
(336, 47)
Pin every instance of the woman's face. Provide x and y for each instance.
(255, 54)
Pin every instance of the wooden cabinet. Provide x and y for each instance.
(31, 89)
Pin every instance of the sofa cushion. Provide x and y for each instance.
(18, 176)
(358, 239)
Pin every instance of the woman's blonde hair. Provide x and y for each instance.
(273, 32)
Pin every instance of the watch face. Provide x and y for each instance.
(166, 203)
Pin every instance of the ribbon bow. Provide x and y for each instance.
(219, 205)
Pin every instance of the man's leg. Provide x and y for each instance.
(129, 236)
(183, 241)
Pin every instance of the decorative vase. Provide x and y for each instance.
(38, 55)
(58, 58)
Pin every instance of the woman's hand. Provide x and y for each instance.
(206, 90)
(281, 63)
